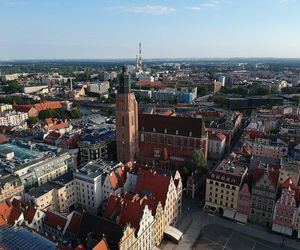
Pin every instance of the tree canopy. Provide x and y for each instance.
(195, 163)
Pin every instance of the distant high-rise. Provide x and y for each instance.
(138, 66)
(126, 120)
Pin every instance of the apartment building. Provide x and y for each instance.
(97, 144)
(223, 186)
(285, 208)
(289, 168)
(131, 210)
(13, 118)
(216, 145)
(243, 204)
(89, 181)
(266, 147)
(92, 230)
(10, 186)
(263, 198)
(57, 195)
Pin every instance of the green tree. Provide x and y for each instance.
(202, 90)
(32, 120)
(12, 87)
(218, 99)
(196, 162)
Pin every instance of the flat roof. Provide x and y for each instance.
(96, 168)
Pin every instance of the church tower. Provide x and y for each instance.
(126, 120)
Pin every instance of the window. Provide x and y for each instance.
(123, 121)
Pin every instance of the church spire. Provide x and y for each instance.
(124, 86)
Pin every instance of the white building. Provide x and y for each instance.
(13, 119)
(89, 182)
(10, 77)
(216, 145)
(100, 88)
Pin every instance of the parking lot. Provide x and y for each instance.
(215, 237)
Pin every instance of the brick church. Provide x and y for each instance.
(154, 139)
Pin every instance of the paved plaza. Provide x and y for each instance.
(217, 237)
(206, 232)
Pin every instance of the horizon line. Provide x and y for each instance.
(147, 58)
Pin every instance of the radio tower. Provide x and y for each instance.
(139, 59)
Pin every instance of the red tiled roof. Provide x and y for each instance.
(54, 220)
(5, 211)
(3, 138)
(174, 125)
(102, 245)
(55, 124)
(273, 175)
(216, 137)
(52, 137)
(47, 105)
(18, 204)
(23, 108)
(113, 179)
(30, 213)
(125, 211)
(14, 216)
(152, 184)
(289, 184)
(121, 172)
(147, 150)
(150, 84)
(74, 223)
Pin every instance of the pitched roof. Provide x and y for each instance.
(124, 211)
(147, 150)
(14, 215)
(5, 211)
(30, 213)
(216, 137)
(153, 185)
(24, 108)
(54, 220)
(273, 175)
(174, 125)
(47, 105)
(102, 245)
(289, 184)
(113, 179)
(96, 227)
(74, 223)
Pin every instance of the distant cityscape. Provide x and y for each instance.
(150, 154)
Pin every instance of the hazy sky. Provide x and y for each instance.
(53, 29)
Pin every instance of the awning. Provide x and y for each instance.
(211, 206)
(283, 230)
(229, 213)
(276, 228)
(173, 233)
(241, 217)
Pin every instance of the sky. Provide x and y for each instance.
(108, 29)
